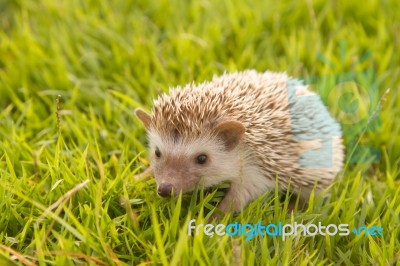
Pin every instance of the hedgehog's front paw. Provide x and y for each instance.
(233, 201)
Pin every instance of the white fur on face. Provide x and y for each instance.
(178, 166)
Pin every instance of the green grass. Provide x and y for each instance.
(105, 58)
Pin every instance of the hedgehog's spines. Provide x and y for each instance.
(259, 101)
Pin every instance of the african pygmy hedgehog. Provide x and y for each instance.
(247, 128)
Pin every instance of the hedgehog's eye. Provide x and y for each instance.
(201, 159)
(157, 152)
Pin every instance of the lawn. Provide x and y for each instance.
(72, 73)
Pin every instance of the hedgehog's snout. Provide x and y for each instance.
(165, 189)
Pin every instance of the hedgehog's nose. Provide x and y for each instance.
(164, 190)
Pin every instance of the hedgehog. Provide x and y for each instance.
(253, 130)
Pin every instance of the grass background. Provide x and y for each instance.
(105, 58)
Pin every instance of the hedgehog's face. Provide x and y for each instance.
(179, 164)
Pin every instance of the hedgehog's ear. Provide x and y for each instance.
(231, 132)
(144, 117)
